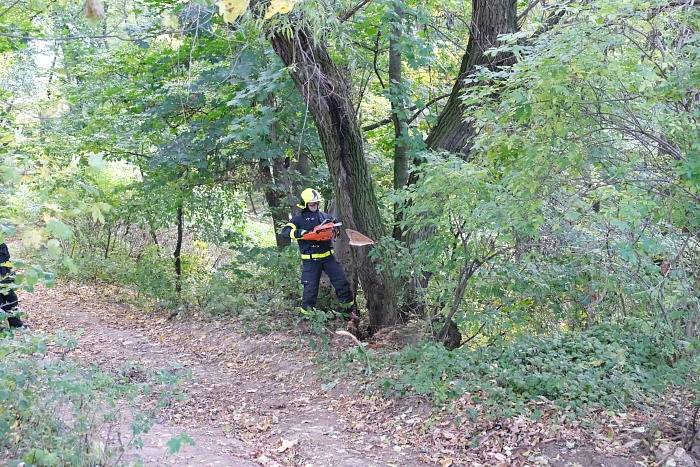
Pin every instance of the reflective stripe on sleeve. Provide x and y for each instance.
(293, 229)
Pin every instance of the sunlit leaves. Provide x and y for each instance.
(231, 10)
(58, 229)
(170, 21)
(98, 211)
(53, 246)
(280, 7)
(96, 162)
(32, 238)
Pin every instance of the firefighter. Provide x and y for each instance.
(8, 297)
(317, 255)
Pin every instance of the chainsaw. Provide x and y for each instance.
(329, 230)
(323, 232)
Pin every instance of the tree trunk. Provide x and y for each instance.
(398, 112)
(109, 239)
(275, 202)
(281, 187)
(327, 93)
(282, 180)
(343, 250)
(178, 249)
(490, 18)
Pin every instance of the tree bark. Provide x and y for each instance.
(326, 91)
(398, 112)
(343, 250)
(178, 249)
(490, 18)
(279, 185)
(109, 239)
(275, 201)
(283, 181)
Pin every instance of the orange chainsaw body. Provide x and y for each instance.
(322, 232)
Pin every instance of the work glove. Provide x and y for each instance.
(300, 232)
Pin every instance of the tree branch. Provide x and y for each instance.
(376, 56)
(25, 37)
(386, 121)
(478, 331)
(4, 12)
(348, 14)
(522, 15)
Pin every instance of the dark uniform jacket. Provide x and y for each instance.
(8, 298)
(304, 222)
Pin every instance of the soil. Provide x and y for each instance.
(259, 399)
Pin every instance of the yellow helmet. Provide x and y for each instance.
(310, 196)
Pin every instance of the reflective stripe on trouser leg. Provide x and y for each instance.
(337, 276)
(310, 277)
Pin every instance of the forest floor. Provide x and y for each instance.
(259, 400)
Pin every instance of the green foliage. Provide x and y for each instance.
(151, 275)
(576, 207)
(259, 285)
(54, 411)
(175, 443)
(604, 367)
(578, 200)
(318, 321)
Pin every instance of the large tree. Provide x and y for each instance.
(490, 19)
(326, 91)
(453, 132)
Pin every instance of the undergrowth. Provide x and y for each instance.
(607, 366)
(256, 285)
(54, 411)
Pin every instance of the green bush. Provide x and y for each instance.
(56, 412)
(150, 274)
(606, 366)
(259, 285)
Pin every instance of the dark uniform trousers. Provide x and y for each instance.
(311, 276)
(8, 298)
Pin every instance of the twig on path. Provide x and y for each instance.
(360, 347)
(350, 335)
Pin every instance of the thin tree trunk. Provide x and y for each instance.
(327, 93)
(178, 249)
(398, 112)
(109, 239)
(252, 201)
(275, 185)
(274, 197)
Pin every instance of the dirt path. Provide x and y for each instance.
(250, 400)
(256, 400)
